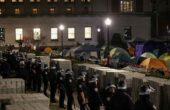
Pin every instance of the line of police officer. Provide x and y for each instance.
(88, 95)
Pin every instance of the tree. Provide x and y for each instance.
(117, 41)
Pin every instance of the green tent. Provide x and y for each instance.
(103, 51)
(120, 54)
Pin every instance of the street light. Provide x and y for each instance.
(98, 29)
(108, 22)
(61, 27)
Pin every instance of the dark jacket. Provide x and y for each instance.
(93, 95)
(143, 103)
(121, 101)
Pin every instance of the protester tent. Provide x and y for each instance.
(131, 51)
(151, 63)
(71, 52)
(86, 48)
(156, 47)
(120, 54)
(167, 61)
(148, 55)
(55, 53)
(163, 55)
(103, 51)
(48, 50)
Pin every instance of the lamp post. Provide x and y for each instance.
(108, 23)
(61, 27)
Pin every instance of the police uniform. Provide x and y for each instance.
(94, 100)
(45, 78)
(53, 83)
(144, 103)
(61, 87)
(69, 90)
(38, 76)
(109, 91)
(82, 92)
(34, 72)
(120, 99)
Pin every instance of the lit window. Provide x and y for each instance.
(19, 33)
(54, 33)
(14, 0)
(52, 0)
(69, 1)
(126, 5)
(85, 1)
(17, 11)
(52, 10)
(20, 0)
(71, 33)
(2, 0)
(36, 33)
(17, 0)
(34, 0)
(87, 33)
(35, 11)
(68, 9)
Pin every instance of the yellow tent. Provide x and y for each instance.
(151, 63)
(48, 50)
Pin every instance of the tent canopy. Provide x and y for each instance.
(151, 63)
(167, 61)
(120, 54)
(148, 55)
(86, 48)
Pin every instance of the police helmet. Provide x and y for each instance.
(121, 85)
(146, 90)
(81, 77)
(93, 80)
(110, 85)
(53, 67)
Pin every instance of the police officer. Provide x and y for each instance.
(94, 100)
(109, 91)
(144, 103)
(38, 75)
(53, 83)
(70, 86)
(45, 78)
(61, 87)
(33, 74)
(120, 99)
(28, 68)
(82, 91)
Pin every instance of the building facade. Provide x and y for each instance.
(37, 21)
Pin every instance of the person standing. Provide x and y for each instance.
(38, 76)
(61, 87)
(144, 103)
(120, 99)
(45, 79)
(53, 83)
(69, 89)
(94, 99)
(109, 91)
(82, 92)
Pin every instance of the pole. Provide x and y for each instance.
(62, 46)
(108, 46)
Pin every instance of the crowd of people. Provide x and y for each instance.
(65, 83)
